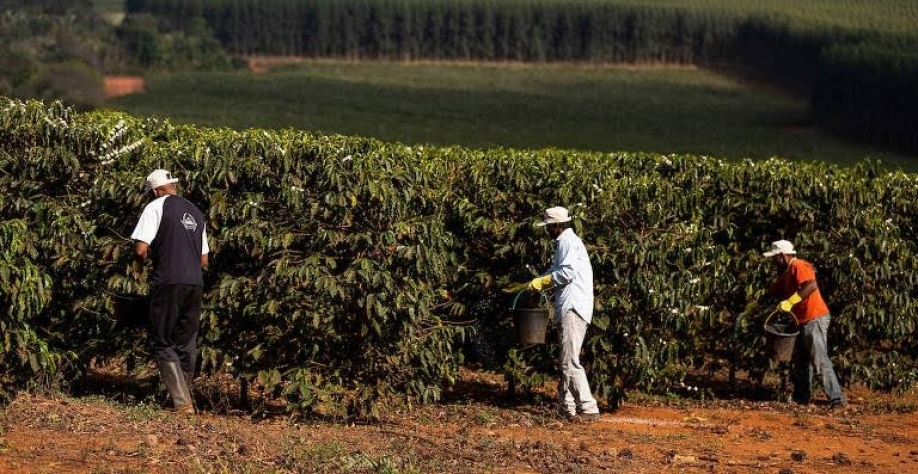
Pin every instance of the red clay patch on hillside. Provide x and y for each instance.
(117, 86)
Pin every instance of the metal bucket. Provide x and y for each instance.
(130, 310)
(780, 341)
(531, 323)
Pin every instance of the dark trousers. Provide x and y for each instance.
(175, 313)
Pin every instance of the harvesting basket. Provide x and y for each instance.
(780, 338)
(130, 310)
(532, 321)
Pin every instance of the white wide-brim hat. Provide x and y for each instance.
(555, 215)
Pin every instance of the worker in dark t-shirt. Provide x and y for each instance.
(172, 233)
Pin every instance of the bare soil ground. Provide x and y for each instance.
(477, 429)
(117, 86)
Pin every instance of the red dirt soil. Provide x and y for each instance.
(116, 86)
(477, 429)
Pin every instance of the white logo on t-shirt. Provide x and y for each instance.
(189, 222)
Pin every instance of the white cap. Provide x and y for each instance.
(555, 215)
(780, 246)
(159, 178)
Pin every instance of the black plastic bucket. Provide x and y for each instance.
(531, 322)
(780, 340)
(130, 310)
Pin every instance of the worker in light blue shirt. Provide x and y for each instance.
(571, 278)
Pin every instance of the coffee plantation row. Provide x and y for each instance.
(347, 273)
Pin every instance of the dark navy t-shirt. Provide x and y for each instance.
(174, 229)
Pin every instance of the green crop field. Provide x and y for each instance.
(655, 109)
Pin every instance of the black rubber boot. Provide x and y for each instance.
(174, 379)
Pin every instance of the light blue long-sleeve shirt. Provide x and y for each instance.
(572, 276)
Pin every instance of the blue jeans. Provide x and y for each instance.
(811, 356)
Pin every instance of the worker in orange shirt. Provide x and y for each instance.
(799, 293)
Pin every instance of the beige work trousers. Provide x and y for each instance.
(573, 389)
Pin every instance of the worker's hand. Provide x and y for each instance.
(540, 283)
(788, 304)
(516, 287)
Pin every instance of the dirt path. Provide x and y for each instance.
(470, 433)
(264, 64)
(117, 86)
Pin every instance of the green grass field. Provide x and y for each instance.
(654, 109)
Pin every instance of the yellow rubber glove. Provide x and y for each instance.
(789, 303)
(516, 287)
(540, 283)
